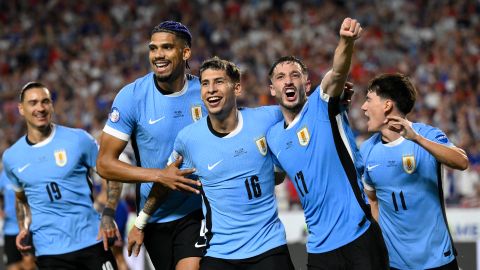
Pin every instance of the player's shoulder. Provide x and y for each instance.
(70, 132)
(370, 142)
(140, 85)
(271, 113)
(430, 132)
(194, 129)
(16, 148)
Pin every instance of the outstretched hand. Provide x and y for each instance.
(175, 179)
(350, 29)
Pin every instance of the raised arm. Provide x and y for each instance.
(24, 218)
(334, 81)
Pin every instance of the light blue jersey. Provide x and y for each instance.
(317, 152)
(10, 225)
(238, 184)
(407, 181)
(54, 176)
(152, 120)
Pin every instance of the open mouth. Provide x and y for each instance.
(290, 93)
(213, 101)
(161, 65)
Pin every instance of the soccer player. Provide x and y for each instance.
(15, 260)
(150, 112)
(236, 169)
(49, 169)
(403, 178)
(315, 147)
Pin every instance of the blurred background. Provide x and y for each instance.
(86, 51)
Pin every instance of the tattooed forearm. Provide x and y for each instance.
(157, 195)
(114, 190)
(23, 211)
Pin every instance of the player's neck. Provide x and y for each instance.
(36, 135)
(389, 135)
(225, 123)
(171, 86)
(289, 114)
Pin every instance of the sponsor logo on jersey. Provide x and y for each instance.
(60, 157)
(114, 115)
(262, 145)
(196, 113)
(408, 163)
(303, 136)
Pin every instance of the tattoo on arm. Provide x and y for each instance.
(24, 216)
(114, 190)
(157, 195)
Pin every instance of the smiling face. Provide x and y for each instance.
(167, 55)
(375, 109)
(218, 92)
(289, 85)
(36, 108)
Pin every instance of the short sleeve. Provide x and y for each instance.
(122, 119)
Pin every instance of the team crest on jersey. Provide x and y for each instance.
(303, 136)
(262, 145)
(409, 164)
(114, 115)
(196, 113)
(60, 157)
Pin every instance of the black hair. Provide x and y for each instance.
(289, 58)
(396, 87)
(215, 63)
(28, 86)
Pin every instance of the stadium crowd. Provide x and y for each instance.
(87, 50)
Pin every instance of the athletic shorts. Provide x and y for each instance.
(11, 251)
(453, 265)
(169, 242)
(367, 252)
(91, 258)
(275, 259)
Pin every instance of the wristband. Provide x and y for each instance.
(108, 212)
(141, 220)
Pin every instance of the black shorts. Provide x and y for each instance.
(91, 258)
(275, 259)
(169, 242)
(11, 251)
(367, 252)
(453, 265)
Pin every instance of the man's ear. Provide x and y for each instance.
(20, 109)
(237, 88)
(272, 90)
(308, 86)
(187, 53)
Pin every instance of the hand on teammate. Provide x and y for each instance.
(175, 179)
(346, 98)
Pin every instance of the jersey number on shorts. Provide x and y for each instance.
(252, 184)
(299, 179)
(402, 200)
(53, 191)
